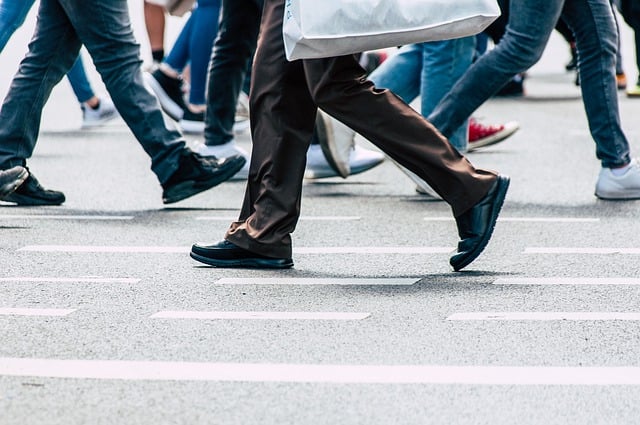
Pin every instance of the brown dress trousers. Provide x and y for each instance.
(284, 100)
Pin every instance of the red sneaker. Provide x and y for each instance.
(481, 135)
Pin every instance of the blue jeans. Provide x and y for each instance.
(231, 56)
(428, 70)
(105, 29)
(194, 44)
(12, 16)
(530, 25)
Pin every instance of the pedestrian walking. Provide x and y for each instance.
(95, 110)
(285, 97)
(105, 29)
(230, 61)
(528, 29)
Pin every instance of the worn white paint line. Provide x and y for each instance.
(374, 250)
(568, 281)
(575, 250)
(69, 279)
(258, 315)
(316, 281)
(303, 218)
(34, 312)
(530, 219)
(108, 249)
(182, 250)
(315, 373)
(542, 316)
(67, 217)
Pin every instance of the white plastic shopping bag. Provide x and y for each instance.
(326, 28)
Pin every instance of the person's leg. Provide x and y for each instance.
(530, 25)
(12, 16)
(630, 10)
(281, 135)
(288, 93)
(401, 73)
(205, 29)
(444, 62)
(178, 57)
(154, 19)
(596, 39)
(232, 52)
(79, 82)
(105, 29)
(52, 51)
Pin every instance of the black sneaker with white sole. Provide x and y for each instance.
(168, 90)
(197, 173)
(31, 193)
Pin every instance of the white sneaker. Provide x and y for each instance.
(242, 114)
(224, 151)
(422, 187)
(96, 117)
(626, 186)
(337, 142)
(360, 159)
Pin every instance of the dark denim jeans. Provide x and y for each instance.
(105, 29)
(530, 25)
(232, 53)
(12, 15)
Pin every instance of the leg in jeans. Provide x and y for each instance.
(194, 46)
(287, 95)
(401, 73)
(105, 30)
(53, 50)
(205, 29)
(79, 82)
(630, 10)
(444, 63)
(530, 25)
(596, 39)
(232, 52)
(428, 70)
(12, 15)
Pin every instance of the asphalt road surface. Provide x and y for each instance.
(104, 318)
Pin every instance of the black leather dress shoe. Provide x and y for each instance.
(226, 254)
(476, 225)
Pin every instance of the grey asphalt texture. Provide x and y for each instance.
(553, 168)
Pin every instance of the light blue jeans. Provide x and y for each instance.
(104, 27)
(428, 70)
(530, 25)
(12, 16)
(194, 45)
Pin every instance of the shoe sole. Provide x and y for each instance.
(187, 189)
(326, 173)
(248, 263)
(9, 188)
(169, 106)
(496, 138)
(503, 186)
(617, 197)
(327, 145)
(100, 122)
(192, 127)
